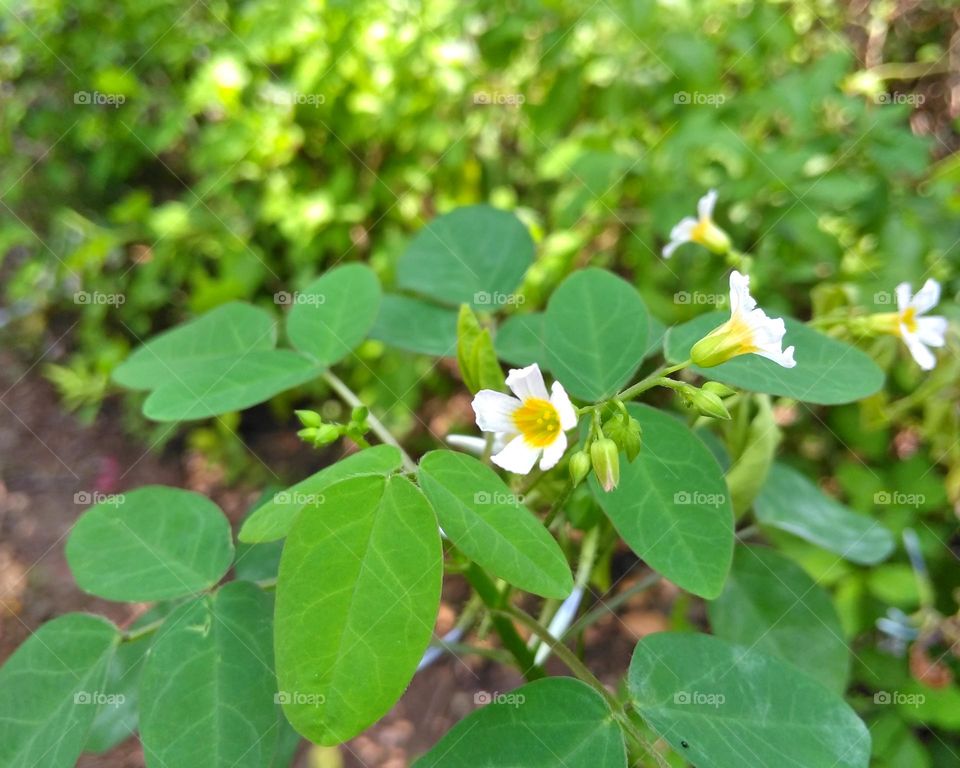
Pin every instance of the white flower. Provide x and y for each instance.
(701, 230)
(533, 422)
(748, 331)
(920, 333)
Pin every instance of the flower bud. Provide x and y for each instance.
(729, 340)
(359, 414)
(721, 390)
(707, 403)
(309, 418)
(605, 458)
(625, 431)
(712, 237)
(579, 467)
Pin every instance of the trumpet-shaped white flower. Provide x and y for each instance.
(534, 421)
(700, 230)
(920, 333)
(748, 331)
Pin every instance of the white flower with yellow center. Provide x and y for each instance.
(533, 422)
(700, 230)
(919, 333)
(748, 331)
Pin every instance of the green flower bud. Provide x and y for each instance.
(579, 467)
(625, 431)
(309, 418)
(707, 403)
(359, 414)
(308, 435)
(721, 390)
(327, 434)
(605, 457)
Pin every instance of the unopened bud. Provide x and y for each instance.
(309, 418)
(707, 403)
(579, 467)
(721, 390)
(625, 431)
(605, 458)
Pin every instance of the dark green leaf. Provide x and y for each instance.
(416, 326)
(521, 340)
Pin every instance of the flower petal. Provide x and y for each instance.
(527, 382)
(932, 330)
(518, 456)
(565, 410)
(494, 411)
(740, 298)
(706, 204)
(682, 231)
(903, 296)
(553, 452)
(781, 357)
(924, 357)
(927, 297)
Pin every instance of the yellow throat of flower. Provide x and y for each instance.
(731, 339)
(538, 421)
(908, 318)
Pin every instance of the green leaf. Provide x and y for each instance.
(50, 689)
(475, 356)
(229, 385)
(772, 605)
(357, 599)
(792, 503)
(485, 519)
(596, 333)
(749, 472)
(553, 722)
(672, 506)
(521, 340)
(208, 688)
(416, 326)
(334, 313)
(153, 543)
(474, 255)
(725, 707)
(828, 371)
(273, 519)
(223, 334)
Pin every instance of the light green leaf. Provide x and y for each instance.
(229, 385)
(792, 503)
(357, 599)
(771, 604)
(596, 333)
(828, 371)
(474, 255)
(334, 313)
(486, 520)
(150, 544)
(416, 326)
(725, 707)
(521, 340)
(554, 722)
(50, 690)
(475, 356)
(208, 688)
(223, 334)
(273, 519)
(749, 472)
(672, 506)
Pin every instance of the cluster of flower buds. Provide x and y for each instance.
(318, 433)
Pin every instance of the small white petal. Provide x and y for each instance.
(670, 247)
(927, 297)
(924, 357)
(553, 452)
(682, 232)
(518, 456)
(494, 411)
(527, 382)
(903, 296)
(706, 204)
(565, 410)
(784, 358)
(767, 334)
(740, 298)
(932, 331)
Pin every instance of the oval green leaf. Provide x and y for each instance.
(357, 598)
(521, 340)
(50, 690)
(554, 722)
(153, 543)
(416, 326)
(333, 314)
(790, 502)
(474, 255)
(596, 328)
(771, 604)
(725, 707)
(273, 519)
(828, 371)
(208, 688)
(485, 519)
(672, 506)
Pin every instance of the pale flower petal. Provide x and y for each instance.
(927, 297)
(740, 298)
(527, 382)
(553, 452)
(494, 411)
(932, 331)
(903, 296)
(924, 357)
(517, 456)
(705, 205)
(565, 409)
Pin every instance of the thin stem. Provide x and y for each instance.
(558, 504)
(133, 635)
(609, 606)
(350, 397)
(650, 381)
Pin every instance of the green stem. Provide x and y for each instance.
(558, 504)
(609, 606)
(650, 381)
(351, 399)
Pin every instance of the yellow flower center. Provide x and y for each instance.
(909, 318)
(701, 232)
(538, 421)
